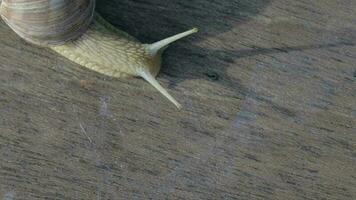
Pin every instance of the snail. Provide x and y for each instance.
(73, 29)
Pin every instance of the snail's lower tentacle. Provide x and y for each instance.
(145, 74)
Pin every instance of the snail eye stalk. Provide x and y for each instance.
(159, 46)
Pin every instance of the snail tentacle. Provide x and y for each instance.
(159, 46)
(145, 74)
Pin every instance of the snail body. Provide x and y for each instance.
(74, 30)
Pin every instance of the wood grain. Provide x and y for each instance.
(269, 95)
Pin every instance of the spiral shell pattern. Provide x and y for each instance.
(48, 22)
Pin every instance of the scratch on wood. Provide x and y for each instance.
(85, 133)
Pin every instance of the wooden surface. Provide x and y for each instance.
(269, 95)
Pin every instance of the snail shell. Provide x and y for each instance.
(74, 30)
(48, 22)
